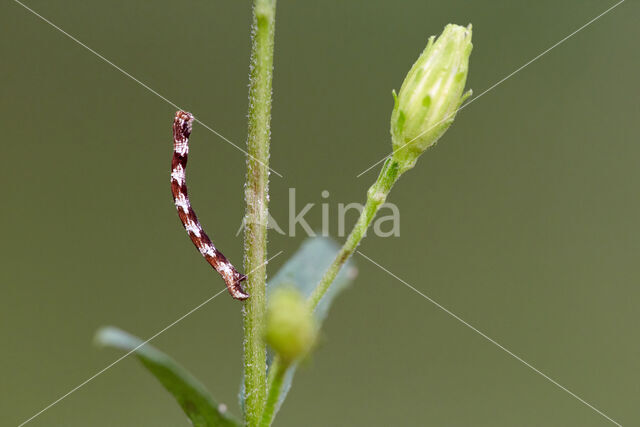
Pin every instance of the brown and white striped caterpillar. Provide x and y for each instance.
(182, 125)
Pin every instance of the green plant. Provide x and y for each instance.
(300, 294)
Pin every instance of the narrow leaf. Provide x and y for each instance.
(192, 396)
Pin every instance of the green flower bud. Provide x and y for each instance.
(431, 94)
(291, 329)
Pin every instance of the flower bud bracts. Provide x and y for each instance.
(430, 95)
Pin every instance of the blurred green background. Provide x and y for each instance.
(523, 220)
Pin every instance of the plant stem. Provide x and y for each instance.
(277, 371)
(256, 197)
(376, 196)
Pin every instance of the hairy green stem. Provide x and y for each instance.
(277, 371)
(376, 196)
(256, 197)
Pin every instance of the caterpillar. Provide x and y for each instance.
(182, 126)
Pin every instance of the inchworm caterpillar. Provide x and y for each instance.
(182, 125)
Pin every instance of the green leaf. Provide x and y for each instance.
(192, 396)
(303, 271)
